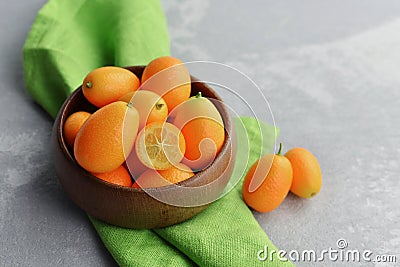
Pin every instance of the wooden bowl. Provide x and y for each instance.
(133, 207)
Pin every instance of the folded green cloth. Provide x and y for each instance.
(72, 37)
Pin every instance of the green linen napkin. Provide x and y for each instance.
(68, 39)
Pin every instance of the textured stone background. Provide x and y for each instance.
(330, 72)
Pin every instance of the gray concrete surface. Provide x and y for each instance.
(330, 71)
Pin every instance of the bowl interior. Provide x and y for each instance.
(77, 102)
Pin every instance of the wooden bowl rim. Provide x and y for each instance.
(186, 183)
